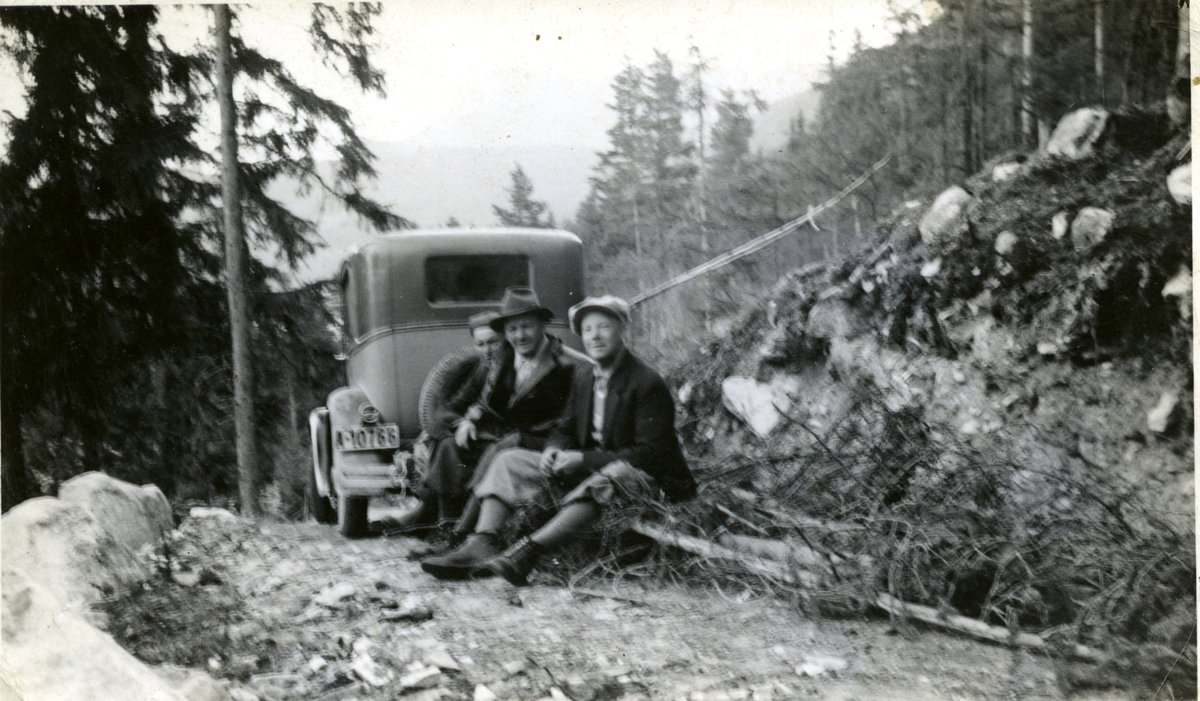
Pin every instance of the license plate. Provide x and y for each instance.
(382, 437)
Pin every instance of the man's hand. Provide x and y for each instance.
(465, 433)
(549, 456)
(566, 463)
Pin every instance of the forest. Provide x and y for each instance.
(115, 322)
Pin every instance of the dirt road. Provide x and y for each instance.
(294, 611)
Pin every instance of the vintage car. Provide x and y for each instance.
(405, 299)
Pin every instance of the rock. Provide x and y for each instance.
(193, 685)
(1006, 243)
(443, 660)
(1179, 184)
(1004, 171)
(134, 516)
(372, 672)
(60, 546)
(931, 268)
(1077, 133)
(816, 665)
(1090, 227)
(945, 224)
(213, 512)
(408, 611)
(421, 678)
(754, 403)
(50, 652)
(1180, 286)
(1158, 418)
(331, 597)
(482, 693)
(1060, 224)
(513, 668)
(186, 579)
(238, 694)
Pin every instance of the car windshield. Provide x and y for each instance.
(450, 279)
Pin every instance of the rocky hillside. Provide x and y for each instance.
(989, 412)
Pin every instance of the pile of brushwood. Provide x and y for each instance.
(1012, 529)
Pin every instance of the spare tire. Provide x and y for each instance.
(444, 381)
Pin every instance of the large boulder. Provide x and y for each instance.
(945, 224)
(60, 546)
(50, 654)
(1077, 133)
(1179, 184)
(134, 516)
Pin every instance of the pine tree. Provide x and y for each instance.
(525, 210)
(96, 276)
(277, 137)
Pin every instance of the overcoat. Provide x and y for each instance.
(533, 411)
(639, 425)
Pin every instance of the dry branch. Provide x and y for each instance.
(796, 571)
(712, 551)
(977, 628)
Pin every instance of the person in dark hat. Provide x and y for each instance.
(512, 402)
(616, 439)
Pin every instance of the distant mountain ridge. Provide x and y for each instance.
(428, 182)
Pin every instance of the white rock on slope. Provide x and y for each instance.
(53, 654)
(945, 224)
(1076, 134)
(134, 516)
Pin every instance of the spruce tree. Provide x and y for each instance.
(525, 211)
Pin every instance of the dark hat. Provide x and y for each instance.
(615, 307)
(518, 301)
(476, 321)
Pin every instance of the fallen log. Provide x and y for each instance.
(706, 549)
(791, 572)
(978, 629)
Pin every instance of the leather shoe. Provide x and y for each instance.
(516, 562)
(462, 562)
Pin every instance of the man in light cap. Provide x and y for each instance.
(616, 438)
(512, 401)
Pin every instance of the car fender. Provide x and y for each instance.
(322, 448)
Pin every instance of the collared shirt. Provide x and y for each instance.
(525, 366)
(600, 376)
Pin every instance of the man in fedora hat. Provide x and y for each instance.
(512, 402)
(616, 439)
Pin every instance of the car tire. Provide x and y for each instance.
(319, 507)
(352, 516)
(443, 382)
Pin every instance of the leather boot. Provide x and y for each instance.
(516, 562)
(464, 561)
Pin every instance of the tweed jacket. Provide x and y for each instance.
(639, 426)
(533, 411)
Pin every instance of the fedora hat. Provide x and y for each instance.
(518, 301)
(610, 305)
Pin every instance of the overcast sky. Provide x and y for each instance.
(508, 77)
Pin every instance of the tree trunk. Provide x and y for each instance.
(1028, 125)
(968, 93)
(235, 271)
(1099, 45)
(15, 483)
